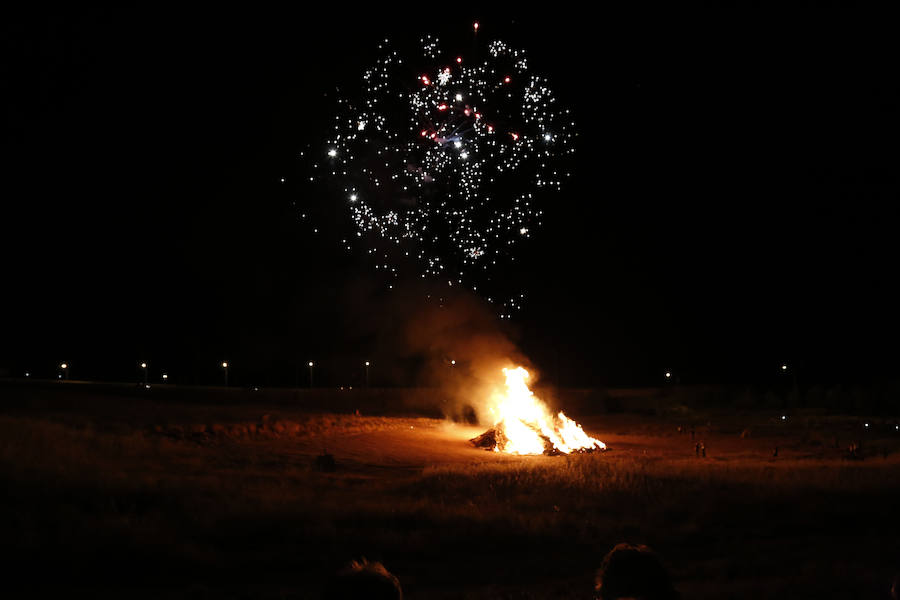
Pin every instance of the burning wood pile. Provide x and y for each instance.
(524, 425)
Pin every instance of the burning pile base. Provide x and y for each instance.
(493, 439)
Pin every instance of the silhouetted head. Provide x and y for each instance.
(633, 572)
(363, 580)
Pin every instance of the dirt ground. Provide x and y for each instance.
(231, 501)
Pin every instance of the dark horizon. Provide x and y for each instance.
(729, 209)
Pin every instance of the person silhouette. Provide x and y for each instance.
(363, 580)
(630, 571)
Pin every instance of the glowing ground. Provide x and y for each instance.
(186, 501)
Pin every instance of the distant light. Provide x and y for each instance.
(27, 374)
(64, 366)
(442, 107)
(867, 424)
(146, 386)
(506, 79)
(425, 79)
(668, 375)
(458, 59)
(523, 231)
(165, 376)
(784, 417)
(367, 363)
(452, 362)
(547, 137)
(475, 25)
(282, 180)
(353, 197)
(459, 97)
(224, 365)
(464, 155)
(332, 153)
(784, 367)
(143, 365)
(310, 363)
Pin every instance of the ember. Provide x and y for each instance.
(524, 425)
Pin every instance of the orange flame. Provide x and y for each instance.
(526, 423)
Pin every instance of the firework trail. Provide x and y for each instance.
(444, 165)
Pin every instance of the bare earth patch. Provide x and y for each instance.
(227, 502)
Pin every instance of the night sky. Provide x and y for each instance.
(731, 206)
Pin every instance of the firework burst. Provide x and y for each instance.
(445, 161)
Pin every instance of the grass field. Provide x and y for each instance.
(124, 498)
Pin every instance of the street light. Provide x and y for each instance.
(311, 365)
(165, 376)
(668, 375)
(225, 366)
(367, 373)
(144, 367)
(65, 370)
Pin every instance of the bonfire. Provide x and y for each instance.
(524, 425)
